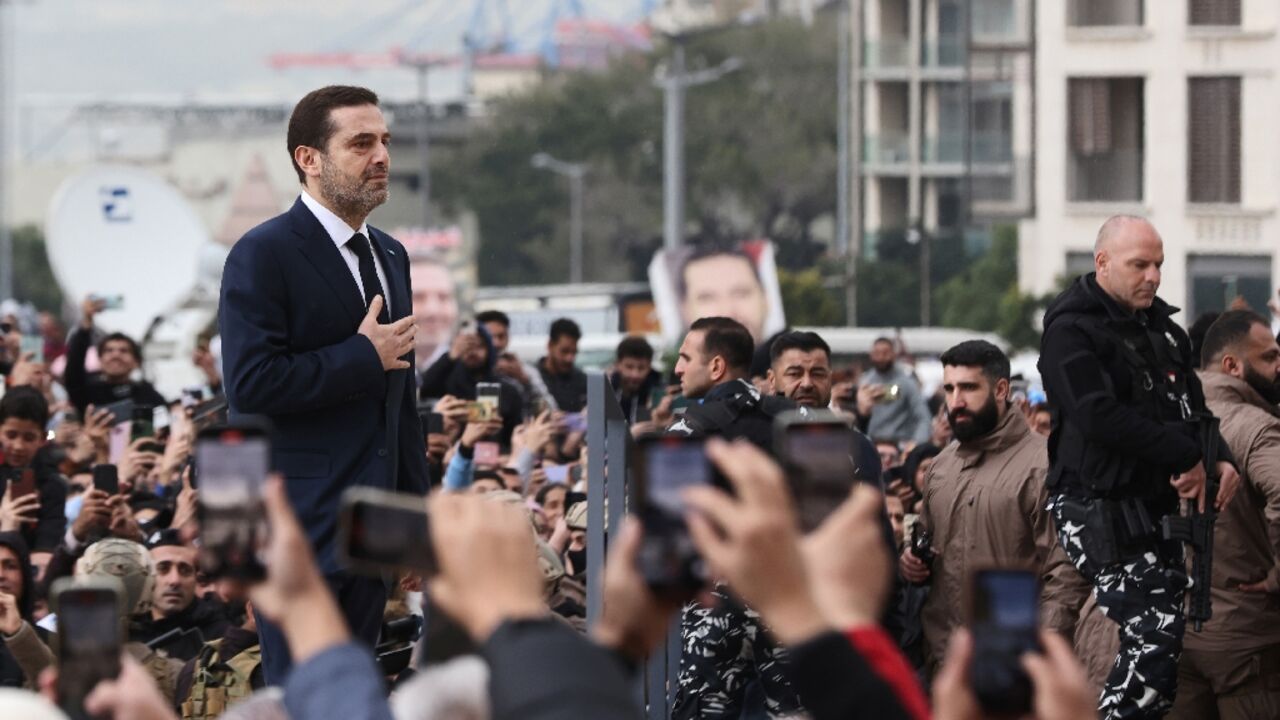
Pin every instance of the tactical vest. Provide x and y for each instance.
(1158, 389)
(218, 684)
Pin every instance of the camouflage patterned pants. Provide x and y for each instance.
(724, 649)
(1144, 595)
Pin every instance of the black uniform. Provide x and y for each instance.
(734, 409)
(1125, 400)
(725, 647)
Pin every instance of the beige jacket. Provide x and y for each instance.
(1246, 538)
(985, 501)
(31, 654)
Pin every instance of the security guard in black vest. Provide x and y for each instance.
(725, 647)
(1124, 448)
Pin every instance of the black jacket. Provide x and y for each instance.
(543, 670)
(568, 390)
(1122, 386)
(86, 389)
(10, 672)
(734, 409)
(206, 616)
(447, 376)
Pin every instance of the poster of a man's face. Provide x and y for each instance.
(739, 282)
(435, 306)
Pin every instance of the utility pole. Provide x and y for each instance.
(674, 84)
(423, 65)
(850, 176)
(575, 172)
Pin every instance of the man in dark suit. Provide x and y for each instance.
(318, 336)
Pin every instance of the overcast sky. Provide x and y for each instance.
(219, 49)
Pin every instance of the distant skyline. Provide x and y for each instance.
(69, 50)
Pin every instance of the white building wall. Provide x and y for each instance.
(1165, 53)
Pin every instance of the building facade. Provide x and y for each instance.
(1165, 109)
(947, 120)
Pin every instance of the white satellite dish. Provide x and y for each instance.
(123, 231)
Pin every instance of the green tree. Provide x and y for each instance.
(986, 297)
(806, 300)
(760, 161)
(33, 279)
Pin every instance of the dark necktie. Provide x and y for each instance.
(359, 244)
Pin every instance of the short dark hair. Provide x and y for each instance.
(882, 339)
(311, 124)
(802, 340)
(727, 338)
(564, 327)
(635, 346)
(25, 403)
(706, 250)
(980, 354)
(134, 347)
(547, 489)
(493, 316)
(1227, 332)
(1197, 331)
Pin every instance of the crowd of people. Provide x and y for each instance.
(867, 611)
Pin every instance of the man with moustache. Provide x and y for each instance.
(1228, 670)
(318, 336)
(1124, 447)
(985, 502)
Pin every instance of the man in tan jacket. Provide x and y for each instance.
(1231, 669)
(985, 501)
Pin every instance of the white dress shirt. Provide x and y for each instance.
(340, 233)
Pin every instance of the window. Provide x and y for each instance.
(1079, 262)
(1095, 13)
(1213, 140)
(1214, 12)
(1105, 121)
(1216, 280)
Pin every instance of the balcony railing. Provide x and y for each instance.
(943, 53)
(885, 53)
(984, 148)
(887, 148)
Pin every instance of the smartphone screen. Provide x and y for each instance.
(1004, 617)
(89, 638)
(106, 478)
(233, 464)
(819, 451)
(489, 394)
(666, 466)
(381, 530)
(33, 345)
(487, 453)
(143, 423)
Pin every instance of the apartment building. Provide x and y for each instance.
(947, 118)
(1165, 109)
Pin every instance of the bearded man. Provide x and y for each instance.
(985, 501)
(318, 336)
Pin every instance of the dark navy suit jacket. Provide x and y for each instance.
(288, 316)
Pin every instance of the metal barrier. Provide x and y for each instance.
(608, 445)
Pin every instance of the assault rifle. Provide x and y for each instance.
(1195, 528)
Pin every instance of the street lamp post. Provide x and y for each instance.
(575, 173)
(673, 84)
